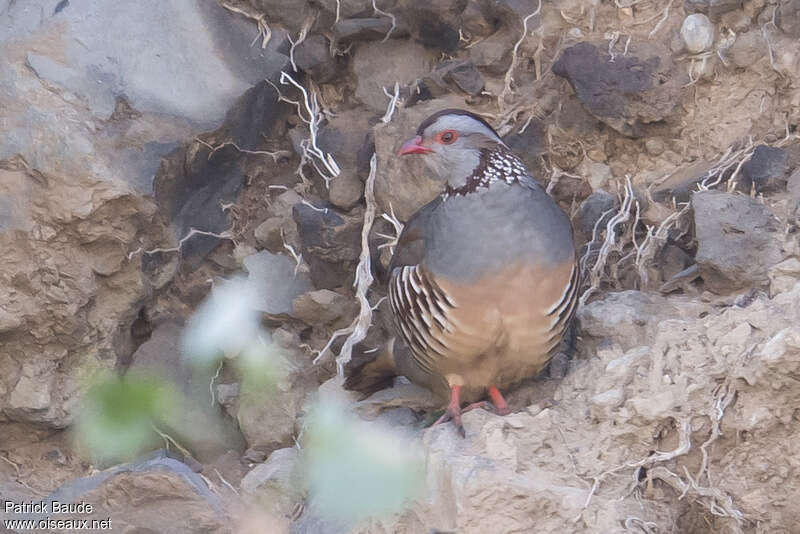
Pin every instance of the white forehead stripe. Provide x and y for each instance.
(463, 124)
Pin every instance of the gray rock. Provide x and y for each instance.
(193, 182)
(626, 318)
(697, 32)
(105, 54)
(713, 8)
(463, 74)
(434, 23)
(275, 281)
(201, 427)
(268, 234)
(793, 186)
(349, 8)
(290, 15)
(409, 62)
(157, 491)
(738, 240)
(766, 171)
(681, 184)
(627, 93)
(276, 484)
(367, 29)
(313, 56)
(748, 48)
(493, 53)
(323, 306)
(330, 242)
(788, 17)
(349, 136)
(364, 29)
(592, 209)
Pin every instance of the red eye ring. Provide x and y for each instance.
(447, 137)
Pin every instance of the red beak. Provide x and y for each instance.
(413, 146)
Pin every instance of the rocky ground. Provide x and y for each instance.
(150, 152)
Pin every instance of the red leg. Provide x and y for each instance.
(453, 411)
(500, 405)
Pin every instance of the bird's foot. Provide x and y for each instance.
(497, 406)
(453, 412)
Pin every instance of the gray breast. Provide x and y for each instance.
(468, 236)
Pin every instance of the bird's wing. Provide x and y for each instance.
(411, 243)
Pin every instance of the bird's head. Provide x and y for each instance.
(452, 143)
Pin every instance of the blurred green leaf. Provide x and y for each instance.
(116, 419)
(356, 470)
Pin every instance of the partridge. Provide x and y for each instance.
(484, 280)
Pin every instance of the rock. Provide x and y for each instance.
(784, 276)
(200, 427)
(787, 17)
(99, 64)
(145, 495)
(681, 184)
(493, 53)
(330, 243)
(349, 8)
(597, 174)
(268, 234)
(61, 316)
(462, 74)
(275, 485)
(530, 145)
(349, 137)
(313, 56)
(195, 180)
(738, 240)
(267, 414)
(697, 33)
(434, 23)
(628, 317)
(364, 29)
(793, 186)
(323, 306)
(747, 49)
(712, 8)
(592, 209)
(626, 94)
(8, 321)
(290, 15)
(410, 61)
(276, 281)
(766, 171)
(654, 146)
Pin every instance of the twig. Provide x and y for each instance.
(684, 445)
(211, 384)
(358, 328)
(393, 98)
(276, 155)
(192, 232)
(385, 14)
(662, 21)
(169, 439)
(622, 215)
(311, 151)
(298, 258)
(509, 77)
(228, 484)
(264, 30)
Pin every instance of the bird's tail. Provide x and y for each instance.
(373, 374)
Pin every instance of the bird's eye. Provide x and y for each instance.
(448, 136)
